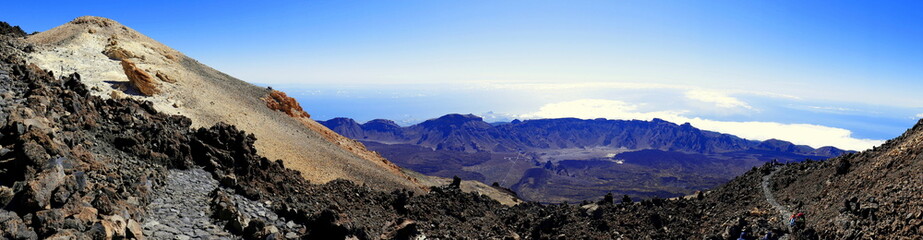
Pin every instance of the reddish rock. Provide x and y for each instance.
(140, 79)
(279, 101)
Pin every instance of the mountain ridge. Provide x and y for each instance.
(570, 159)
(444, 133)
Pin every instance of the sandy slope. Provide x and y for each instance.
(208, 96)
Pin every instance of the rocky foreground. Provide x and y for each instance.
(75, 166)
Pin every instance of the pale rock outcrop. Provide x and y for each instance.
(164, 77)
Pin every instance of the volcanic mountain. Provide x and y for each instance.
(569, 159)
(75, 165)
(118, 62)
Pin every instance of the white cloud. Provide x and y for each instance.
(582, 85)
(807, 134)
(595, 108)
(624, 86)
(920, 115)
(720, 99)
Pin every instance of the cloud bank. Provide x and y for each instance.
(807, 134)
(719, 99)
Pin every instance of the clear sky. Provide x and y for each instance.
(843, 73)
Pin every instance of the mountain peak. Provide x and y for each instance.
(342, 121)
(457, 117)
(382, 121)
(98, 21)
(454, 119)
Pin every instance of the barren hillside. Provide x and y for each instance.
(96, 46)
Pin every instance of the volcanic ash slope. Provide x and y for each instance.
(96, 47)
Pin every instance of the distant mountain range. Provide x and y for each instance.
(571, 159)
(469, 133)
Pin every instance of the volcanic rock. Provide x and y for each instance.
(6, 196)
(164, 77)
(38, 192)
(141, 80)
(117, 53)
(279, 101)
(133, 230)
(14, 31)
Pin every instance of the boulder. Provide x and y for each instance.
(608, 199)
(87, 215)
(238, 224)
(6, 195)
(116, 95)
(223, 207)
(140, 79)
(67, 234)
(13, 226)
(456, 182)
(118, 225)
(102, 230)
(279, 101)
(256, 230)
(49, 221)
(134, 230)
(38, 192)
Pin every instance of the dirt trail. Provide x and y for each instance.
(767, 193)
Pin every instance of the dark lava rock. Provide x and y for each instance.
(14, 31)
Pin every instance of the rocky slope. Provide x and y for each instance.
(77, 166)
(117, 62)
(872, 194)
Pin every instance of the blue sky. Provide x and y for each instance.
(803, 71)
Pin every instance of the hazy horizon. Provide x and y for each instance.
(815, 73)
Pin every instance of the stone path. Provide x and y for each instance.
(181, 209)
(260, 210)
(767, 193)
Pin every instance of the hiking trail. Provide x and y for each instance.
(767, 193)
